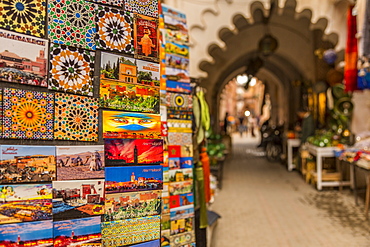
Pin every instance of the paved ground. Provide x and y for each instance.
(262, 204)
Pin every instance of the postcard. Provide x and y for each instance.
(128, 97)
(165, 222)
(118, 68)
(186, 162)
(182, 212)
(182, 225)
(78, 232)
(122, 206)
(179, 101)
(179, 75)
(80, 162)
(78, 198)
(180, 175)
(177, 62)
(133, 178)
(148, 73)
(176, 36)
(187, 151)
(174, 151)
(146, 38)
(174, 19)
(181, 200)
(178, 87)
(25, 202)
(166, 175)
(177, 188)
(38, 233)
(131, 231)
(21, 164)
(177, 138)
(117, 124)
(165, 203)
(173, 113)
(120, 152)
(165, 237)
(23, 58)
(177, 49)
(183, 239)
(154, 243)
(174, 163)
(176, 125)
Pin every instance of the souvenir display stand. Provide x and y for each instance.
(81, 142)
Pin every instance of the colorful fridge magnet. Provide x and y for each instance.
(179, 101)
(182, 212)
(177, 62)
(174, 163)
(143, 7)
(25, 202)
(78, 198)
(119, 68)
(28, 114)
(71, 69)
(80, 162)
(177, 49)
(181, 200)
(174, 19)
(182, 226)
(165, 202)
(114, 30)
(72, 23)
(118, 124)
(146, 38)
(120, 152)
(38, 233)
(178, 138)
(183, 187)
(148, 73)
(179, 75)
(180, 175)
(23, 59)
(122, 206)
(178, 87)
(23, 16)
(131, 231)
(176, 125)
(186, 162)
(183, 239)
(133, 178)
(129, 97)
(78, 232)
(27, 163)
(76, 118)
(176, 36)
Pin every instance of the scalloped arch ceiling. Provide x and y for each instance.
(225, 34)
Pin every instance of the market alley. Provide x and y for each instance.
(262, 204)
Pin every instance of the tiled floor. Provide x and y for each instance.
(262, 204)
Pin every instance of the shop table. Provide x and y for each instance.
(292, 143)
(367, 189)
(324, 152)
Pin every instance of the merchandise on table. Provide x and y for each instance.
(23, 58)
(23, 164)
(80, 162)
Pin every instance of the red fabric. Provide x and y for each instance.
(207, 172)
(351, 55)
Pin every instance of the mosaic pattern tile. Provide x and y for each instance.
(23, 16)
(143, 7)
(115, 30)
(72, 22)
(76, 118)
(118, 3)
(27, 114)
(71, 69)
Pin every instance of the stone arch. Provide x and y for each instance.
(294, 60)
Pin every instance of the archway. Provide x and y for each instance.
(293, 62)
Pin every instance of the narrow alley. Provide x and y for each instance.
(262, 204)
